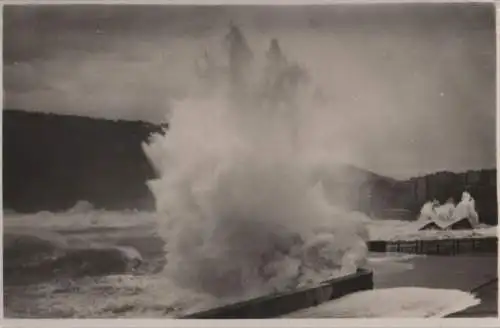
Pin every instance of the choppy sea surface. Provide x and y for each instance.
(408, 230)
(147, 293)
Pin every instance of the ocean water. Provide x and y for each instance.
(149, 293)
(408, 230)
(400, 302)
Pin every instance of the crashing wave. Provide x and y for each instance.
(240, 213)
(449, 213)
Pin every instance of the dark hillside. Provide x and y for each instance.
(52, 161)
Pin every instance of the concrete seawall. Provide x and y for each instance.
(452, 246)
(277, 305)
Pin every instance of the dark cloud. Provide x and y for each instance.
(39, 30)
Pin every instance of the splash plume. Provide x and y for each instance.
(241, 214)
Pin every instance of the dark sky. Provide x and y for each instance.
(413, 85)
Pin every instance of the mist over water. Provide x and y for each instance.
(241, 212)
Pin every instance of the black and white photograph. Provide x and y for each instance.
(298, 161)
